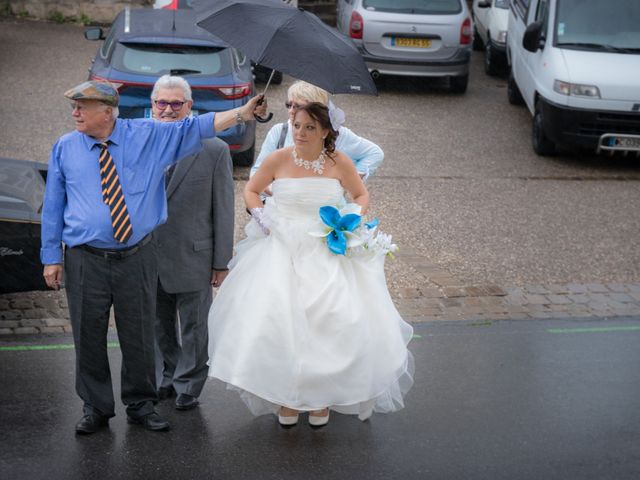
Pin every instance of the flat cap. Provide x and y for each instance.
(104, 92)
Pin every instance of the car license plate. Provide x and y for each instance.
(410, 42)
(612, 142)
(628, 143)
(147, 113)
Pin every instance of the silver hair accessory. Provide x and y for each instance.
(336, 115)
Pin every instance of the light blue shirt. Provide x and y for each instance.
(366, 155)
(74, 211)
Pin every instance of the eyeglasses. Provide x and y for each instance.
(295, 106)
(81, 108)
(162, 104)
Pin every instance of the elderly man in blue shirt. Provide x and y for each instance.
(105, 194)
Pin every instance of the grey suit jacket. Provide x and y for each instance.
(198, 234)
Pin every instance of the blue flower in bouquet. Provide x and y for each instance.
(338, 227)
(372, 224)
(346, 235)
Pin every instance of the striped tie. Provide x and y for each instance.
(113, 196)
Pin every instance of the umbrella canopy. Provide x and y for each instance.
(290, 40)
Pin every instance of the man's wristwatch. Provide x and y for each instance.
(239, 119)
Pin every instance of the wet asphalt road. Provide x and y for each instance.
(460, 184)
(503, 400)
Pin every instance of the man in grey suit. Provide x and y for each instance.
(194, 247)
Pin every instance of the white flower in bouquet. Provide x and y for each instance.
(346, 235)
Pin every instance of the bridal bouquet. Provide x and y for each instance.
(346, 235)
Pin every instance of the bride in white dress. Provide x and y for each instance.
(295, 327)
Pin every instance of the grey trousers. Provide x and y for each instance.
(93, 285)
(182, 346)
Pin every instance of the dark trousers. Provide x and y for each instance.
(93, 285)
(183, 342)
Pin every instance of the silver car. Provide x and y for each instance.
(428, 38)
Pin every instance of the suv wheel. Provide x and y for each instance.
(477, 41)
(490, 61)
(513, 92)
(245, 159)
(459, 84)
(542, 145)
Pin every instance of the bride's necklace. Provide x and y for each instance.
(317, 165)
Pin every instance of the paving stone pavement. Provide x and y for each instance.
(437, 295)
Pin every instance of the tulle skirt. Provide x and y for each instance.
(296, 325)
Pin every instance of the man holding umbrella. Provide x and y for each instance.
(104, 196)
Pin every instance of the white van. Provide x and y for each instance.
(490, 20)
(576, 65)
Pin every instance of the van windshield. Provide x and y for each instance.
(597, 25)
(422, 7)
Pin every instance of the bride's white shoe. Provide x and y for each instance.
(319, 420)
(287, 420)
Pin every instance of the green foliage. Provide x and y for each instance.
(56, 16)
(5, 10)
(84, 19)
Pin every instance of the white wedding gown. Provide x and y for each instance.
(296, 325)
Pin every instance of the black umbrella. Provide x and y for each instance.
(290, 40)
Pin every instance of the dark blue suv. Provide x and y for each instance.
(144, 44)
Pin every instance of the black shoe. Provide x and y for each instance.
(186, 402)
(166, 392)
(91, 423)
(151, 421)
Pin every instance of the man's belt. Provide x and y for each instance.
(116, 254)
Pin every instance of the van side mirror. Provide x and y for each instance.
(94, 33)
(484, 4)
(532, 35)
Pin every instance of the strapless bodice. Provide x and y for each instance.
(304, 196)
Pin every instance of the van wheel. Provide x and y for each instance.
(490, 62)
(458, 84)
(245, 159)
(513, 92)
(477, 41)
(542, 145)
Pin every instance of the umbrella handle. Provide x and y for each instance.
(263, 120)
(268, 117)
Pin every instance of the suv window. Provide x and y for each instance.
(108, 43)
(180, 59)
(424, 7)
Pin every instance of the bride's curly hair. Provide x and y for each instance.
(320, 113)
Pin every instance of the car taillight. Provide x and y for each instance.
(173, 5)
(466, 32)
(235, 91)
(356, 25)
